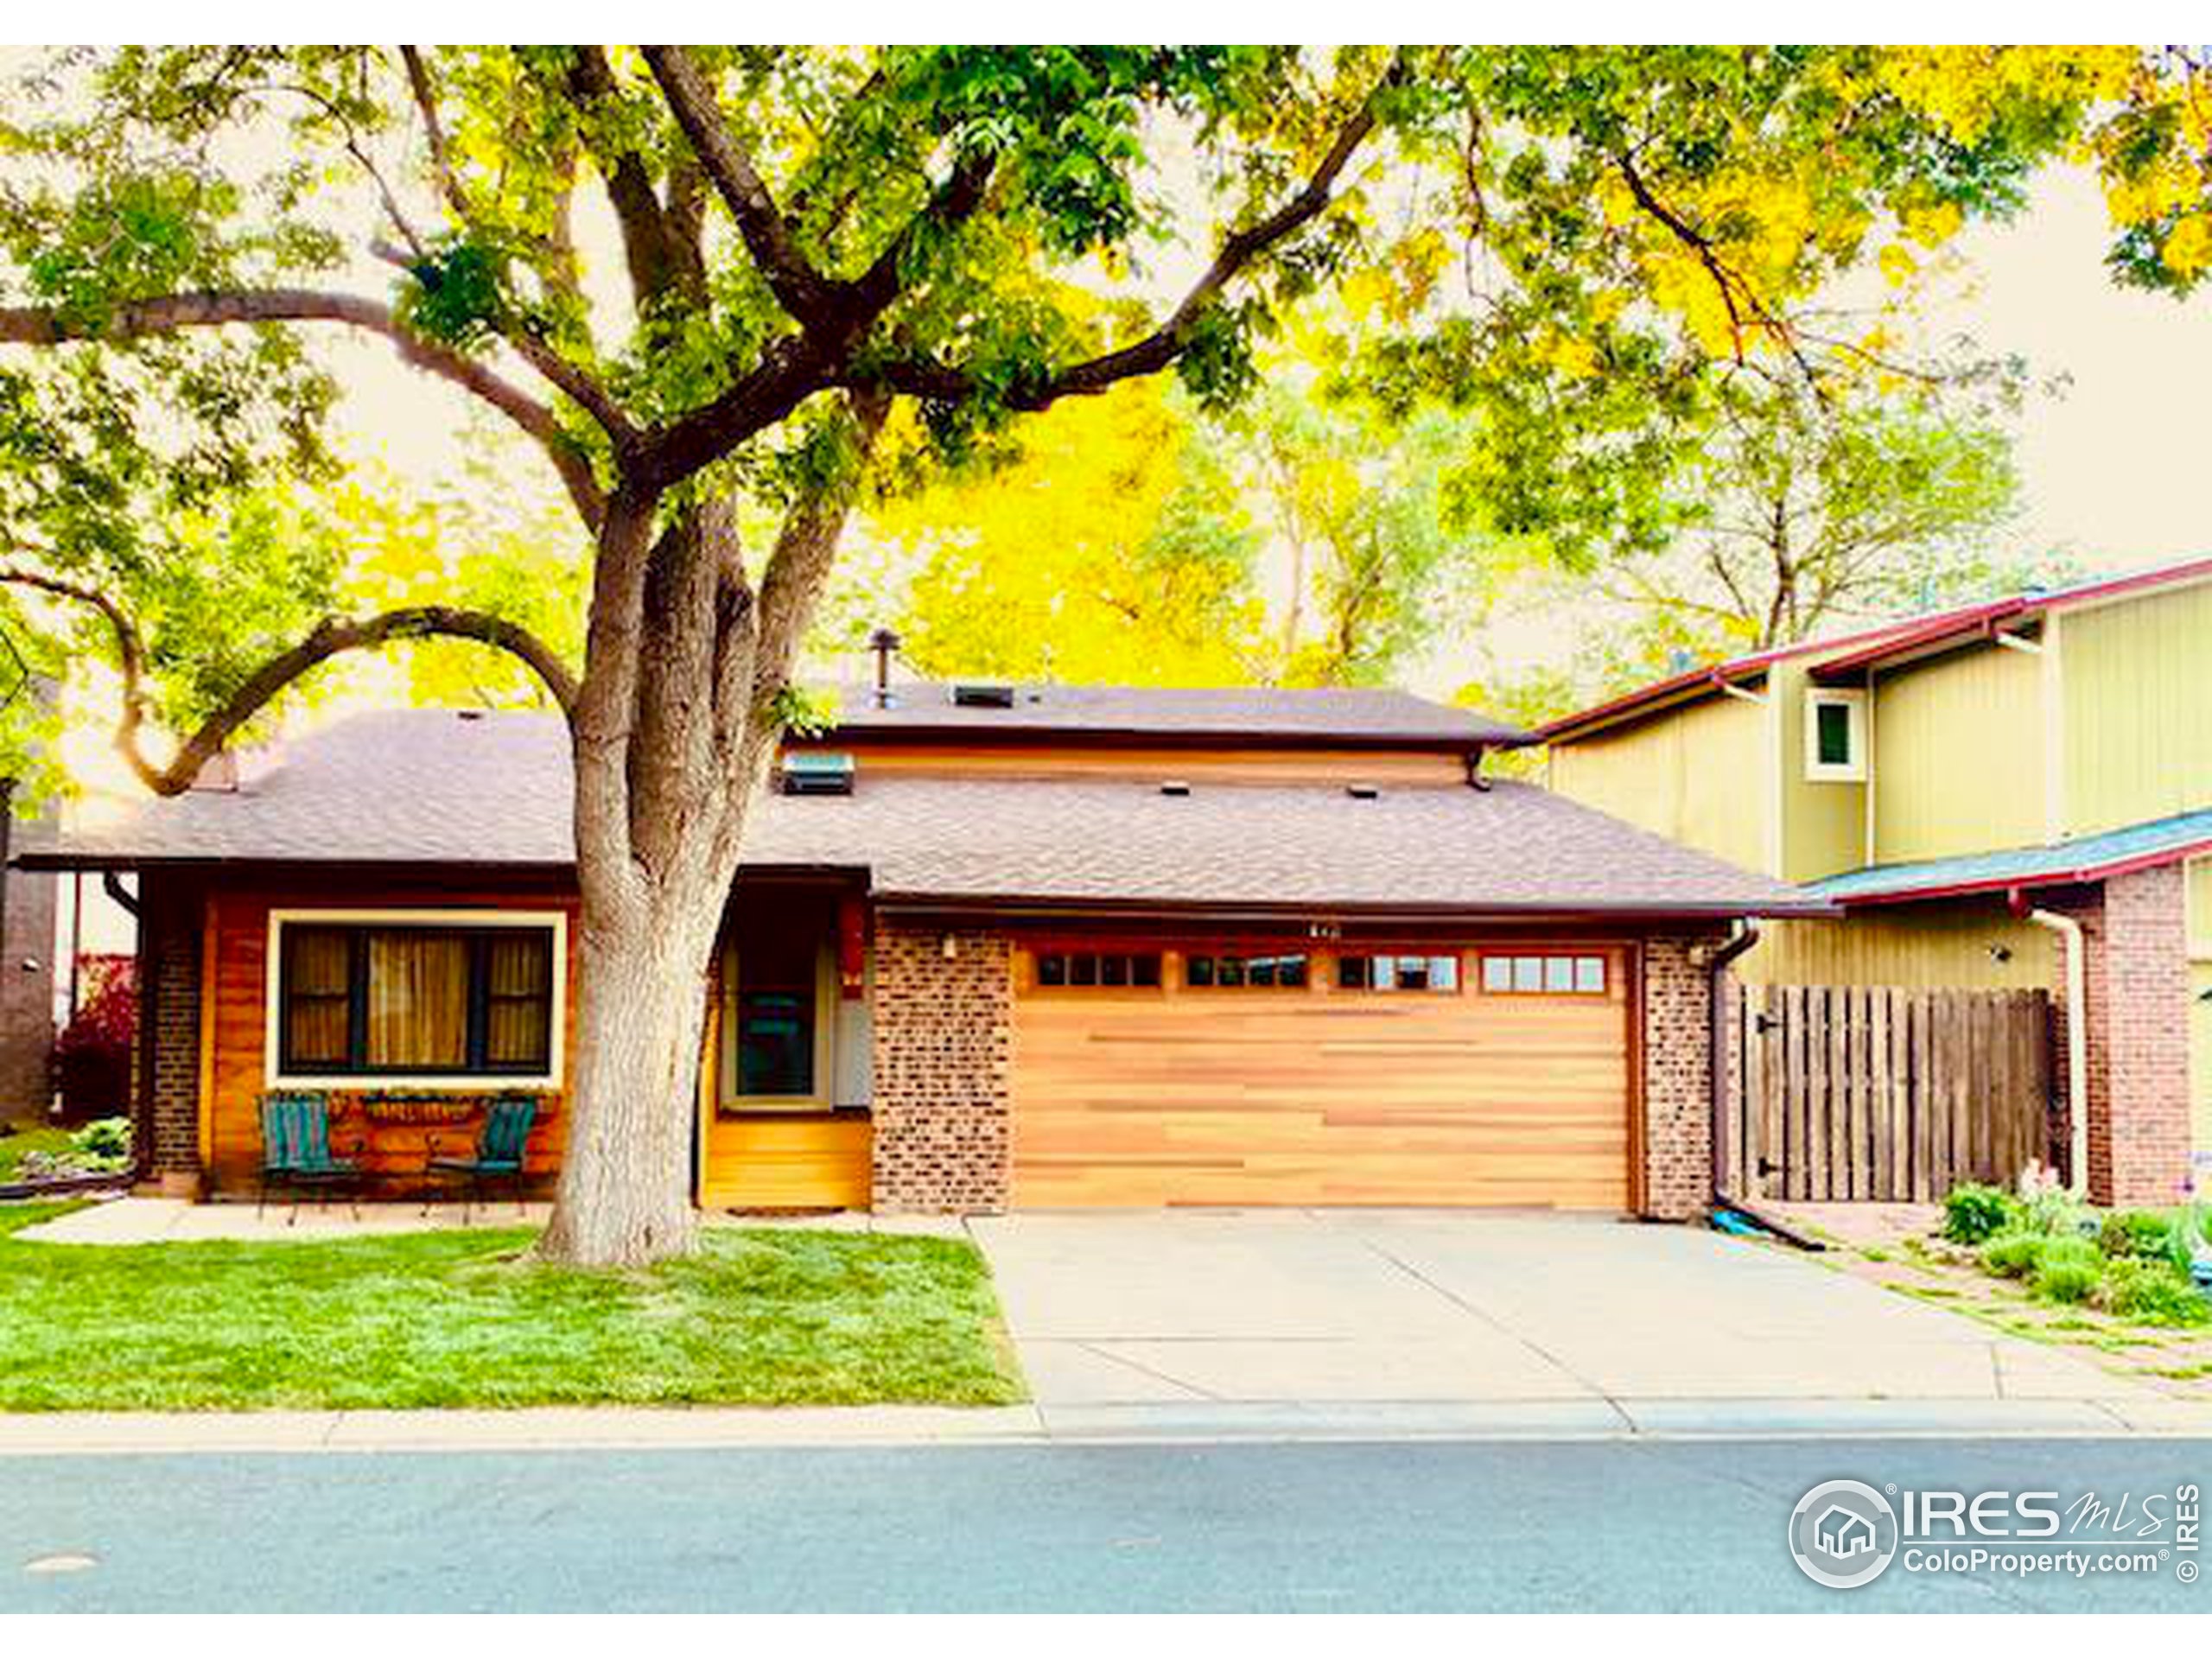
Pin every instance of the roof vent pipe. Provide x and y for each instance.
(883, 642)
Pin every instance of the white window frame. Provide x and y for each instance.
(1853, 771)
(462, 1082)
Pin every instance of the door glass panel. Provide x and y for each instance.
(775, 1017)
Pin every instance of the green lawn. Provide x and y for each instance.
(465, 1318)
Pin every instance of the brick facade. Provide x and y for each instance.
(1677, 1148)
(167, 1119)
(942, 1043)
(2136, 960)
(27, 903)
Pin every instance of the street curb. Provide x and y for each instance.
(583, 1428)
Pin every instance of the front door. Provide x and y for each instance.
(775, 1134)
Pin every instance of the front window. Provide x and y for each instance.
(415, 998)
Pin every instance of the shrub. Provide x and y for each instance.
(91, 1057)
(103, 1144)
(2014, 1253)
(2068, 1269)
(1973, 1212)
(2152, 1293)
(2057, 1212)
(2143, 1234)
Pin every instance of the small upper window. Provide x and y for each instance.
(1555, 975)
(1398, 973)
(1228, 973)
(1835, 736)
(1098, 970)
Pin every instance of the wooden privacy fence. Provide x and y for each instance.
(1857, 1092)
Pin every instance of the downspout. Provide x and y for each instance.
(1716, 969)
(2078, 1040)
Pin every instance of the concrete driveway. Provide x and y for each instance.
(1454, 1316)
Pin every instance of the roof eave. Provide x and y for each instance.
(2067, 876)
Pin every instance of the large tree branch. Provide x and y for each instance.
(804, 548)
(211, 308)
(798, 288)
(1160, 349)
(328, 638)
(655, 254)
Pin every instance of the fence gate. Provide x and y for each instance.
(1857, 1092)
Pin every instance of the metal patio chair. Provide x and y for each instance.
(501, 1145)
(297, 1150)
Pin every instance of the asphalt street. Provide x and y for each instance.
(1596, 1525)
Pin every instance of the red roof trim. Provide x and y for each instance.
(1880, 643)
(1983, 618)
(2062, 878)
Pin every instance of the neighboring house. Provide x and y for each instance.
(27, 970)
(1053, 946)
(1968, 787)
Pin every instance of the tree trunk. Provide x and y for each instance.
(626, 1177)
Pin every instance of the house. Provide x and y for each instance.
(2010, 794)
(1036, 946)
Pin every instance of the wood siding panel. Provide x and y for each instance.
(2137, 716)
(1227, 764)
(1699, 774)
(234, 1064)
(812, 1162)
(1824, 820)
(1958, 754)
(1968, 944)
(1322, 1096)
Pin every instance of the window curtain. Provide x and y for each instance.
(519, 973)
(316, 975)
(418, 1000)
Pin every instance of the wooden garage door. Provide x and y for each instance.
(1143, 1095)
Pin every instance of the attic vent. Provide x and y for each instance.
(817, 772)
(978, 695)
(1362, 792)
(1174, 786)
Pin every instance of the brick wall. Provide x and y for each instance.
(169, 1032)
(1677, 1087)
(943, 1050)
(2136, 992)
(26, 972)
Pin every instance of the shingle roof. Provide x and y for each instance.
(2088, 858)
(1344, 716)
(424, 787)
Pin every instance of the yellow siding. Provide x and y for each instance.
(1697, 774)
(2138, 679)
(1823, 821)
(1921, 947)
(1958, 754)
